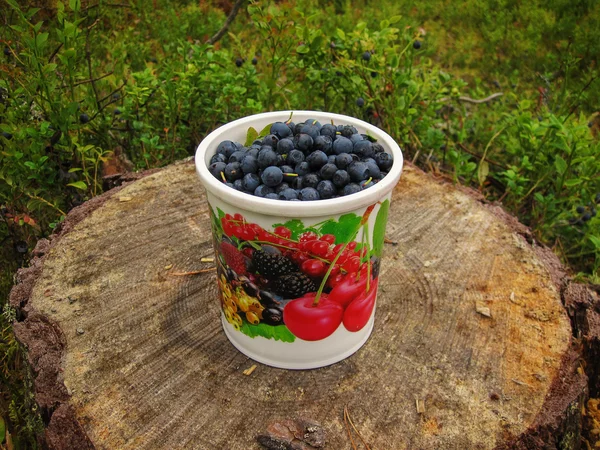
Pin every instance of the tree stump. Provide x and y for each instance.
(472, 346)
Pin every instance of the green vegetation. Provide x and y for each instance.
(81, 81)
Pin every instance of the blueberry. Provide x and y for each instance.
(351, 188)
(331, 159)
(230, 185)
(272, 196)
(287, 169)
(281, 186)
(21, 247)
(281, 130)
(257, 143)
(253, 151)
(291, 125)
(342, 145)
(326, 189)
(263, 190)
(310, 180)
(587, 216)
(272, 176)
(593, 212)
(116, 111)
(308, 193)
(302, 168)
(417, 45)
(317, 159)
(366, 55)
(374, 171)
(348, 130)
(233, 171)
(239, 61)
(343, 160)
(288, 194)
(311, 129)
(384, 161)
(323, 143)
(7, 135)
(580, 209)
(373, 74)
(218, 157)
(250, 182)
(7, 51)
(226, 148)
(266, 157)
(271, 140)
(237, 156)
(360, 102)
(314, 122)
(238, 185)
(294, 157)
(597, 199)
(358, 171)
(84, 118)
(356, 137)
(327, 171)
(216, 168)
(249, 164)
(377, 148)
(367, 183)
(303, 142)
(254, 61)
(285, 146)
(364, 149)
(328, 130)
(340, 178)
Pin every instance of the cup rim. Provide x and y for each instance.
(208, 146)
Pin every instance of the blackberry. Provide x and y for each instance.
(272, 266)
(294, 285)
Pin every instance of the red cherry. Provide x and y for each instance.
(359, 311)
(319, 248)
(347, 290)
(314, 268)
(312, 323)
(329, 238)
(284, 232)
(351, 264)
(308, 236)
(334, 280)
(352, 245)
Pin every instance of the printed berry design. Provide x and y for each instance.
(295, 281)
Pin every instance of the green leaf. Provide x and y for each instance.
(596, 241)
(560, 164)
(216, 222)
(266, 130)
(340, 33)
(573, 182)
(250, 137)
(482, 171)
(30, 164)
(220, 213)
(295, 226)
(75, 5)
(344, 229)
(2, 430)
(379, 229)
(278, 332)
(79, 185)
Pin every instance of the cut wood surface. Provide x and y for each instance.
(471, 349)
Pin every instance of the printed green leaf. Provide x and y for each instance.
(216, 222)
(220, 213)
(379, 229)
(295, 226)
(251, 136)
(344, 229)
(278, 333)
(79, 185)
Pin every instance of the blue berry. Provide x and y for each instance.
(266, 157)
(358, 171)
(263, 190)
(342, 145)
(295, 157)
(580, 209)
(326, 172)
(310, 180)
(227, 148)
(308, 193)
(237, 156)
(288, 194)
(218, 157)
(281, 130)
(285, 146)
(366, 56)
(302, 168)
(253, 151)
(374, 170)
(317, 159)
(314, 122)
(271, 140)
(250, 182)
(326, 189)
(364, 149)
(254, 61)
(216, 168)
(348, 130)
(328, 130)
(356, 137)
(340, 178)
(238, 185)
(281, 186)
(272, 176)
(272, 196)
(360, 102)
(311, 129)
(291, 125)
(286, 169)
(377, 148)
(297, 183)
(417, 45)
(384, 161)
(351, 188)
(343, 160)
(233, 171)
(331, 159)
(249, 164)
(239, 61)
(303, 142)
(84, 118)
(323, 143)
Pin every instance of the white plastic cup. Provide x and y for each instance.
(315, 333)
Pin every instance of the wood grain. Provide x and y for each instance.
(470, 332)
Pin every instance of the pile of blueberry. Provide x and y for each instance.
(304, 161)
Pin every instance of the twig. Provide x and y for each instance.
(54, 53)
(88, 57)
(348, 428)
(494, 163)
(193, 272)
(356, 431)
(91, 80)
(227, 23)
(474, 100)
(389, 241)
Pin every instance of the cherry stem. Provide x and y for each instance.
(366, 232)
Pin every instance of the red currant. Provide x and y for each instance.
(237, 232)
(320, 248)
(284, 232)
(351, 265)
(334, 280)
(239, 217)
(351, 245)
(308, 236)
(330, 238)
(228, 217)
(247, 234)
(314, 268)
